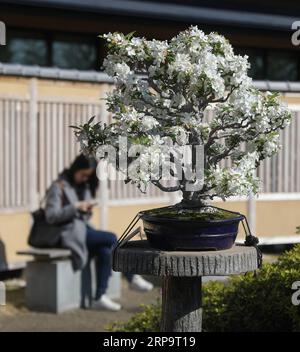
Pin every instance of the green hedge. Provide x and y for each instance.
(243, 303)
(147, 320)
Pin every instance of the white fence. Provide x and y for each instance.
(37, 143)
(281, 173)
(14, 151)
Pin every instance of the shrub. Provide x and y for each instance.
(147, 320)
(260, 302)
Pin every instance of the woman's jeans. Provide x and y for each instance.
(100, 244)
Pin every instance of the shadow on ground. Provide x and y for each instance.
(16, 317)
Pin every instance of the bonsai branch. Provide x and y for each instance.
(166, 188)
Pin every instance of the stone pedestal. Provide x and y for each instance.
(52, 286)
(181, 272)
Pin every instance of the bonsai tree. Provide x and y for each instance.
(162, 91)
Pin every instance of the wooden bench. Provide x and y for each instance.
(46, 254)
(53, 286)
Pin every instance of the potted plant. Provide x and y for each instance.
(163, 90)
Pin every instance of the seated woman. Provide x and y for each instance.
(69, 204)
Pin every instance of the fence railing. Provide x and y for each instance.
(36, 143)
(281, 173)
(14, 151)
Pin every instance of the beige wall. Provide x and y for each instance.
(13, 233)
(14, 227)
(84, 90)
(273, 218)
(51, 88)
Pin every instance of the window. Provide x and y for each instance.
(74, 54)
(282, 66)
(83, 52)
(26, 50)
(274, 65)
(63, 51)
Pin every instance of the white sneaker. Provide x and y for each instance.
(104, 302)
(138, 283)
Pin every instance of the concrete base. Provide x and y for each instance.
(114, 285)
(53, 286)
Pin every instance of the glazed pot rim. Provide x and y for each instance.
(148, 217)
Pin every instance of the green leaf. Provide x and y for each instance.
(91, 119)
(129, 35)
(75, 127)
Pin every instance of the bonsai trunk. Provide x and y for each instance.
(191, 200)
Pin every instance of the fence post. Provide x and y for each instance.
(251, 212)
(32, 144)
(104, 204)
(251, 209)
(104, 195)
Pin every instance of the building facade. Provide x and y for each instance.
(50, 78)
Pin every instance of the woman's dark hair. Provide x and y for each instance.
(83, 162)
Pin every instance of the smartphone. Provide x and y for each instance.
(94, 202)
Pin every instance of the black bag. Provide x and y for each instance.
(42, 234)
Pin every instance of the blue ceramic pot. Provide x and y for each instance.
(172, 234)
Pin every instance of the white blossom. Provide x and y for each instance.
(163, 90)
(148, 123)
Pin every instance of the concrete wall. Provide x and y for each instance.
(273, 218)
(51, 88)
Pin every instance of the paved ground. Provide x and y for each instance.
(15, 317)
